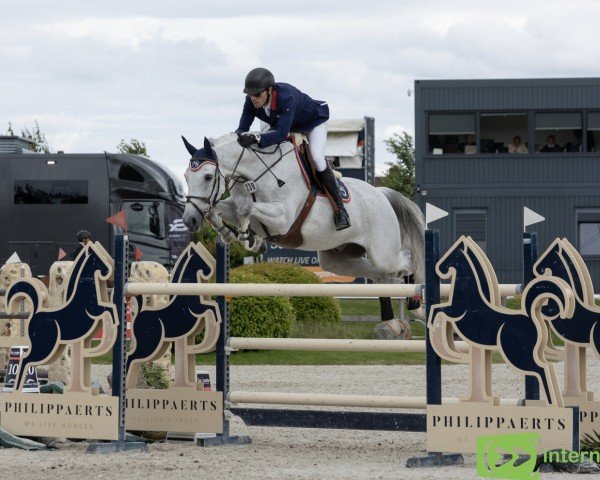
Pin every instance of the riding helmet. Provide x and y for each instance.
(257, 80)
(81, 234)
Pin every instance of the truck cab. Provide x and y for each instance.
(46, 199)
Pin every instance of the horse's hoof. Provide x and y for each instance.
(228, 239)
(418, 313)
(392, 330)
(263, 248)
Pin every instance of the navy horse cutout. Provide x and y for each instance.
(87, 308)
(582, 329)
(473, 309)
(184, 317)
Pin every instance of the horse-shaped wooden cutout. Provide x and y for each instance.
(473, 310)
(76, 322)
(581, 330)
(268, 191)
(179, 321)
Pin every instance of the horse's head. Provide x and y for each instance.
(452, 259)
(96, 264)
(551, 262)
(205, 184)
(196, 267)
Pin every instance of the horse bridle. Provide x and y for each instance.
(212, 199)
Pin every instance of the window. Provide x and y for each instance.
(472, 223)
(146, 218)
(593, 132)
(452, 133)
(558, 132)
(503, 133)
(588, 233)
(127, 172)
(51, 192)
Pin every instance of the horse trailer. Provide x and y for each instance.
(48, 198)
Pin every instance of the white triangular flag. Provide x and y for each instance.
(14, 258)
(530, 217)
(433, 213)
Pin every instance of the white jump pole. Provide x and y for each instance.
(334, 400)
(291, 289)
(332, 345)
(273, 290)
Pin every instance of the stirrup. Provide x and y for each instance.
(341, 219)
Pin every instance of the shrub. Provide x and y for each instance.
(268, 317)
(321, 310)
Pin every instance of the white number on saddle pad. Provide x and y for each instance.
(343, 191)
(250, 186)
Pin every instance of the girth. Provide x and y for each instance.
(293, 238)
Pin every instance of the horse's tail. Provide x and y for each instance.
(412, 229)
(22, 288)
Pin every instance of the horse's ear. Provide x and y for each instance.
(189, 146)
(208, 148)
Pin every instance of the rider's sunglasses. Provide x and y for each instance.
(256, 95)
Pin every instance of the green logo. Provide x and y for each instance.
(505, 456)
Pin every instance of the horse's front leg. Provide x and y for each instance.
(218, 225)
(272, 215)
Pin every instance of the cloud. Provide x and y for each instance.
(95, 72)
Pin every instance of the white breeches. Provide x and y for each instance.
(317, 138)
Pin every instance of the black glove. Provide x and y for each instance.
(247, 139)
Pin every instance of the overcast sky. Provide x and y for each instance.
(93, 73)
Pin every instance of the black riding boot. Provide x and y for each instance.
(340, 215)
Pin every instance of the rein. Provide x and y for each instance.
(212, 199)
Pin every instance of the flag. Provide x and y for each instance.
(119, 219)
(61, 254)
(138, 254)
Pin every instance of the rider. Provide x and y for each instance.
(83, 237)
(286, 109)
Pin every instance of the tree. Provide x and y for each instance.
(134, 146)
(401, 174)
(35, 134)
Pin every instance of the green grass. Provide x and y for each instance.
(360, 307)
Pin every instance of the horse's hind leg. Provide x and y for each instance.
(518, 343)
(152, 334)
(386, 309)
(44, 336)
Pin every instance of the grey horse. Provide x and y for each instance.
(267, 191)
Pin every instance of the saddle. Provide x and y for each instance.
(293, 238)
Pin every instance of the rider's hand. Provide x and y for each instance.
(247, 139)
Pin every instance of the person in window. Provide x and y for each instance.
(469, 145)
(516, 146)
(551, 145)
(83, 237)
(286, 109)
(576, 145)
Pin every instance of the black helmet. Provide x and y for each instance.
(81, 234)
(257, 80)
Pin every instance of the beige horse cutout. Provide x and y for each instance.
(87, 309)
(581, 331)
(179, 321)
(473, 311)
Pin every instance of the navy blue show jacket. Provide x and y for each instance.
(291, 111)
